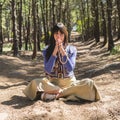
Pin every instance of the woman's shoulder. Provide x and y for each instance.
(71, 48)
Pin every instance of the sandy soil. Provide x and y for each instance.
(92, 61)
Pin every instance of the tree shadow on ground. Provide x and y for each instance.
(18, 102)
(96, 72)
(18, 68)
(14, 85)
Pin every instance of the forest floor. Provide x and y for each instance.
(92, 62)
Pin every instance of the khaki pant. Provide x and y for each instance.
(72, 88)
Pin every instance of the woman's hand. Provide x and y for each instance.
(59, 48)
(62, 50)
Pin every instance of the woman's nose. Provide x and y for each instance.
(58, 34)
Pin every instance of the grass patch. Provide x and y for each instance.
(115, 50)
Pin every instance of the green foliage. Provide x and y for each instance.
(79, 26)
(81, 23)
(116, 50)
(42, 45)
(74, 15)
(7, 47)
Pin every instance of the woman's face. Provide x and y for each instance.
(59, 37)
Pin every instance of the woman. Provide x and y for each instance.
(60, 81)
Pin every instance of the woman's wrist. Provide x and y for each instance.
(55, 51)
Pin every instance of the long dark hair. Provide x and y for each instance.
(58, 27)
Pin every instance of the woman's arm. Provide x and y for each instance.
(48, 65)
(71, 59)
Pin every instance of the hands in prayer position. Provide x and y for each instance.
(59, 48)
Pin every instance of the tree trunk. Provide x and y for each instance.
(104, 31)
(20, 25)
(1, 38)
(109, 14)
(47, 23)
(82, 16)
(42, 5)
(39, 31)
(114, 22)
(68, 20)
(34, 29)
(28, 32)
(15, 41)
(118, 7)
(81, 19)
(60, 11)
(88, 22)
(53, 11)
(39, 34)
(96, 22)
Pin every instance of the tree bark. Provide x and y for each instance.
(60, 11)
(15, 41)
(109, 14)
(104, 30)
(96, 22)
(42, 5)
(28, 41)
(68, 20)
(39, 31)
(118, 7)
(53, 11)
(1, 38)
(20, 25)
(34, 29)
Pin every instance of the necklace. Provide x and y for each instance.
(61, 58)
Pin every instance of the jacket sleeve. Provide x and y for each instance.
(71, 58)
(48, 65)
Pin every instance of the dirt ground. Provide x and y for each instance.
(92, 61)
